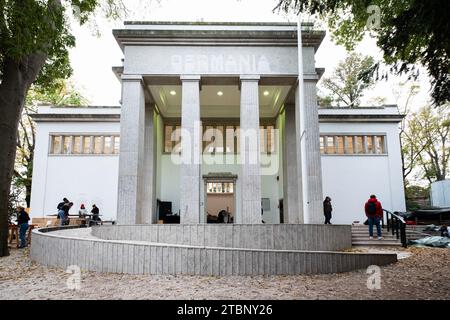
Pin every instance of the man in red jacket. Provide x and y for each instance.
(374, 213)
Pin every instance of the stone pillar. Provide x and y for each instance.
(148, 214)
(292, 177)
(311, 162)
(250, 152)
(191, 150)
(132, 122)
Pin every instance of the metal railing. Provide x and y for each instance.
(397, 226)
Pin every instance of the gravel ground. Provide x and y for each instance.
(421, 273)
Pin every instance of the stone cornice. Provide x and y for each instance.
(217, 37)
(64, 117)
(330, 118)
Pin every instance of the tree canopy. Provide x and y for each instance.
(350, 79)
(409, 32)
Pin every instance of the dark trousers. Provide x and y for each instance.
(23, 234)
(327, 218)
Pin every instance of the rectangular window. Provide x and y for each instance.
(230, 140)
(98, 145)
(370, 144)
(168, 139)
(107, 147)
(330, 149)
(56, 145)
(77, 145)
(359, 145)
(367, 144)
(67, 145)
(349, 144)
(270, 139)
(116, 145)
(322, 145)
(381, 149)
(340, 145)
(84, 144)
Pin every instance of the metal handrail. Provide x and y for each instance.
(398, 226)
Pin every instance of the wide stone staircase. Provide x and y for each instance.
(360, 236)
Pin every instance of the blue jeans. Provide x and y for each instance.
(374, 221)
(62, 217)
(22, 234)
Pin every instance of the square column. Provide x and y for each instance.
(148, 214)
(131, 158)
(190, 150)
(292, 173)
(250, 152)
(311, 164)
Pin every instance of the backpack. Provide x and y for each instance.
(372, 208)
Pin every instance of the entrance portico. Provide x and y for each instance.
(176, 76)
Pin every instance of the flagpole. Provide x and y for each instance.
(303, 133)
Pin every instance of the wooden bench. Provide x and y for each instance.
(13, 231)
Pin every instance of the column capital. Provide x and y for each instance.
(132, 77)
(190, 77)
(250, 77)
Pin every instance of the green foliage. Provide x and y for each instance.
(408, 32)
(350, 79)
(41, 27)
(427, 135)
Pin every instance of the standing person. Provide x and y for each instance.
(82, 212)
(327, 209)
(64, 214)
(95, 214)
(374, 213)
(60, 210)
(22, 222)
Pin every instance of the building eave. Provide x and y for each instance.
(202, 37)
(75, 117)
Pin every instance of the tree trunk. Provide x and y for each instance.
(17, 78)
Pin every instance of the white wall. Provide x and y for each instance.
(82, 179)
(350, 179)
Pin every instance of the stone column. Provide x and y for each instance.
(191, 150)
(250, 152)
(311, 162)
(148, 214)
(132, 122)
(292, 177)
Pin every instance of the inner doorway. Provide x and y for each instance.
(220, 198)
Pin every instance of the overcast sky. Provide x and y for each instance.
(94, 56)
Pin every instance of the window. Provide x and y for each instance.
(356, 145)
(84, 144)
(56, 145)
(98, 145)
(221, 139)
(76, 149)
(220, 187)
(108, 147)
(67, 145)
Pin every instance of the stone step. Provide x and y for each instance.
(376, 243)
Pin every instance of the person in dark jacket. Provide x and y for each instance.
(22, 222)
(374, 213)
(64, 214)
(95, 214)
(327, 209)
